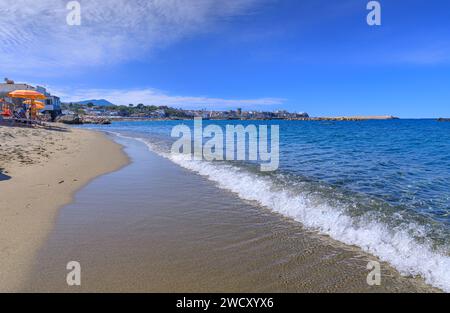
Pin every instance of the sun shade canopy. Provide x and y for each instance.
(27, 94)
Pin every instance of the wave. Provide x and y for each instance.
(395, 245)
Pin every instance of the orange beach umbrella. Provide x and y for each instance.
(27, 94)
(33, 102)
(38, 104)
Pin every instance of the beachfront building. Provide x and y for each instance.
(9, 86)
(52, 103)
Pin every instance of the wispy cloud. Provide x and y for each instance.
(34, 34)
(151, 96)
(433, 55)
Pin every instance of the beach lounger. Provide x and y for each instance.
(19, 117)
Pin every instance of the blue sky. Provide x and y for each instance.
(313, 55)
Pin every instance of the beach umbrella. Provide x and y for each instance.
(27, 94)
(33, 101)
(38, 104)
(32, 96)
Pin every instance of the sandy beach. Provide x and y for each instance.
(40, 170)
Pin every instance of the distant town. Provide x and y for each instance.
(102, 111)
(141, 111)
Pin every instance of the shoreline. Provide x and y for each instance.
(41, 170)
(56, 224)
(106, 120)
(137, 239)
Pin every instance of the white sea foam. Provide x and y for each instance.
(395, 246)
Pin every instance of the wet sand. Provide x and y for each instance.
(155, 227)
(40, 169)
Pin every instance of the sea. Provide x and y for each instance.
(382, 186)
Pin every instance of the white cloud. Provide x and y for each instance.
(155, 97)
(431, 55)
(34, 34)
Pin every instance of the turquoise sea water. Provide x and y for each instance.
(381, 185)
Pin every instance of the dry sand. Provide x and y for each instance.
(40, 170)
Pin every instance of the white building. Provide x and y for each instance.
(10, 86)
(52, 103)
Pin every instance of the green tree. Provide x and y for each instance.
(124, 111)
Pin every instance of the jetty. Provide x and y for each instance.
(355, 118)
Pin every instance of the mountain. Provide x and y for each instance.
(100, 103)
